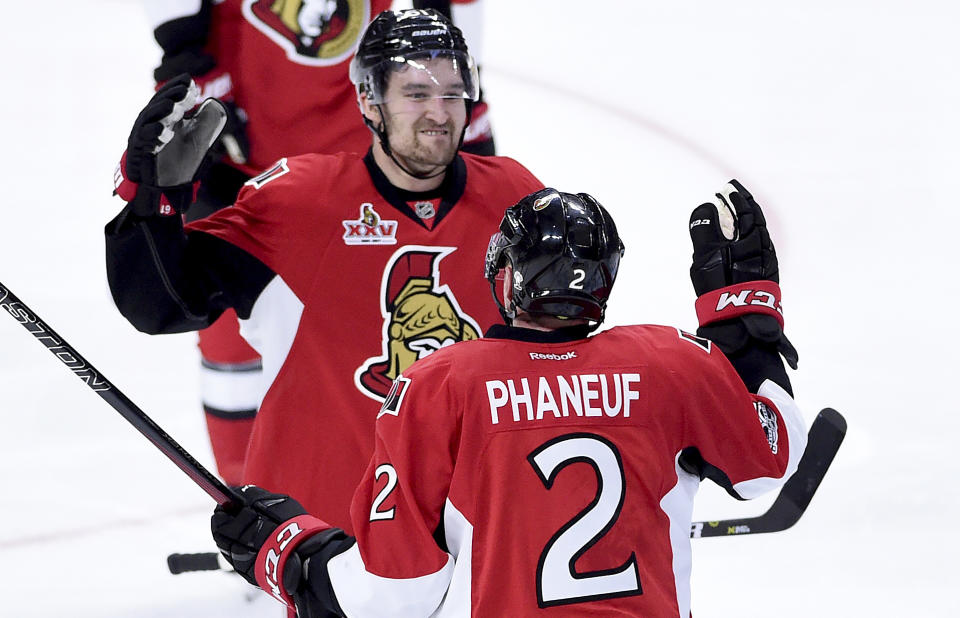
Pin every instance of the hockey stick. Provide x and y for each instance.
(204, 561)
(117, 400)
(823, 441)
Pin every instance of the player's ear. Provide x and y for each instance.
(507, 285)
(370, 112)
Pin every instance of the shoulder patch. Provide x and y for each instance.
(277, 170)
(391, 405)
(768, 420)
(700, 342)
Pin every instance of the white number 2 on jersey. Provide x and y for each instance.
(558, 583)
(391, 472)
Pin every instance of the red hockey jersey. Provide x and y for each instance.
(367, 282)
(552, 474)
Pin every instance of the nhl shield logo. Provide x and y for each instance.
(311, 32)
(425, 210)
(369, 229)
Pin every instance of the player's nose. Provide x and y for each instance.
(438, 109)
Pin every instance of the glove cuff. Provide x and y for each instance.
(276, 551)
(177, 201)
(122, 185)
(733, 301)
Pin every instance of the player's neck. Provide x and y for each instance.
(400, 178)
(543, 323)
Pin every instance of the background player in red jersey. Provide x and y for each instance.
(540, 467)
(280, 68)
(345, 268)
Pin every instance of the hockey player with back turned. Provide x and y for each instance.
(372, 257)
(542, 470)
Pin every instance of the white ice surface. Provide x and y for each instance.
(841, 116)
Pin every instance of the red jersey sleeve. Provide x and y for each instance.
(397, 508)
(270, 214)
(749, 444)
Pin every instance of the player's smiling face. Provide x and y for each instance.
(425, 114)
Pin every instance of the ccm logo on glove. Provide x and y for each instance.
(274, 554)
(736, 300)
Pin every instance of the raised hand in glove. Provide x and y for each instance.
(262, 539)
(165, 150)
(736, 275)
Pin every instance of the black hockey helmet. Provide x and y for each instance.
(396, 40)
(564, 251)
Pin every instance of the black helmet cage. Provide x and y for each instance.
(564, 250)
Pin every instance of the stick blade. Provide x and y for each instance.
(826, 435)
(823, 441)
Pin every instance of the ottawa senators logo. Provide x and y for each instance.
(312, 32)
(420, 317)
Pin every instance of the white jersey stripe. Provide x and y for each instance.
(272, 327)
(678, 506)
(231, 391)
(361, 593)
(459, 536)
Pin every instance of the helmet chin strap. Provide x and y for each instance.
(381, 133)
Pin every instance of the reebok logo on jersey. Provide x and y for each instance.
(369, 229)
(557, 357)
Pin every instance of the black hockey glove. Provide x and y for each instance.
(166, 148)
(735, 274)
(262, 539)
(213, 82)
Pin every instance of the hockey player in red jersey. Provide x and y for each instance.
(543, 468)
(360, 264)
(280, 68)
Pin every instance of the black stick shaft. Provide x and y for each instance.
(189, 563)
(117, 400)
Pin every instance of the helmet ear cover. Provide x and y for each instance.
(564, 251)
